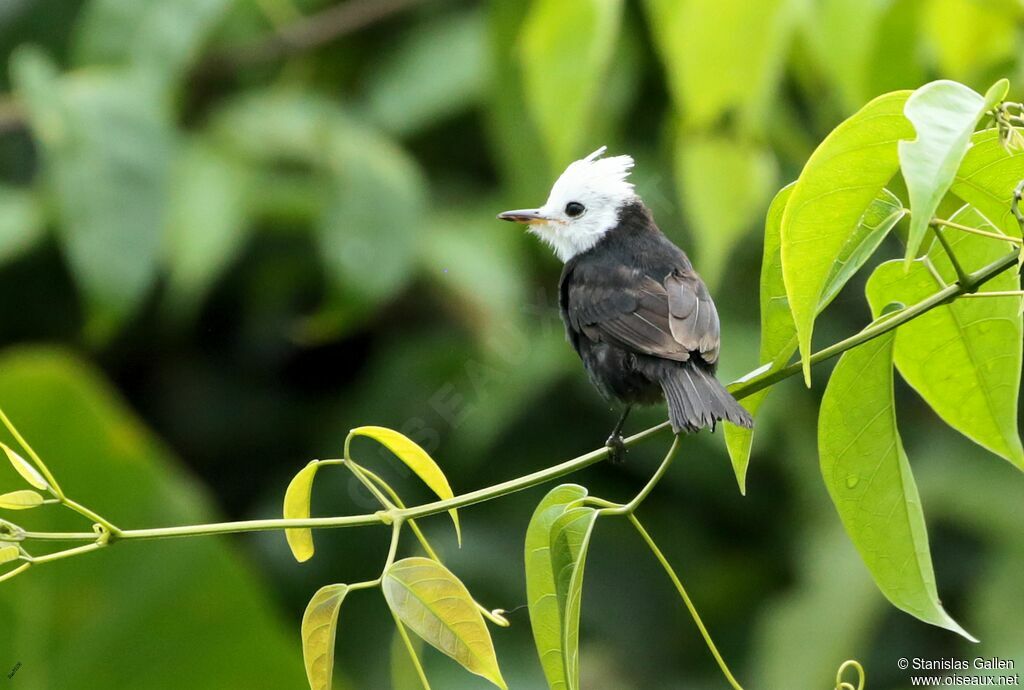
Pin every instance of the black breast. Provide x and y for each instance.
(633, 249)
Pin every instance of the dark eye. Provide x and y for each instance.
(574, 209)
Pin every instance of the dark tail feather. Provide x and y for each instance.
(697, 400)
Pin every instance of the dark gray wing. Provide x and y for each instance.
(693, 317)
(669, 319)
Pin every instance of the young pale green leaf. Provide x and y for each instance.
(434, 604)
(987, 177)
(27, 471)
(8, 554)
(944, 114)
(869, 479)
(566, 49)
(545, 612)
(724, 184)
(319, 631)
(417, 459)
(20, 500)
(963, 358)
(569, 541)
(296, 507)
(838, 183)
(778, 332)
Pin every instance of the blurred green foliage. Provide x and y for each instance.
(262, 243)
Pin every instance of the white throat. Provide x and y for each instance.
(601, 187)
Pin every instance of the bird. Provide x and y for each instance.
(637, 313)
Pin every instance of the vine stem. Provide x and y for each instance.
(630, 508)
(756, 380)
(645, 535)
(961, 274)
(492, 616)
(39, 464)
(412, 651)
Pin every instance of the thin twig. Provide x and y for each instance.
(307, 34)
(997, 293)
(977, 231)
(412, 652)
(630, 508)
(686, 600)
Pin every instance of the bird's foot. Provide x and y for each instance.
(616, 449)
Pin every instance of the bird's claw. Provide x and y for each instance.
(616, 449)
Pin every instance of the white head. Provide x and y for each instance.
(584, 204)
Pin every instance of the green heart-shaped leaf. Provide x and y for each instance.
(869, 479)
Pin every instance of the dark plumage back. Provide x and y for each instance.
(643, 323)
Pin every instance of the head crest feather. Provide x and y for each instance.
(605, 177)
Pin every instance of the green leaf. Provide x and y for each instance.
(746, 42)
(417, 460)
(21, 222)
(27, 471)
(438, 70)
(106, 142)
(569, 541)
(296, 507)
(842, 35)
(319, 631)
(778, 341)
(944, 114)
(191, 611)
(846, 172)
(20, 500)
(778, 332)
(9, 553)
(724, 185)
(434, 604)
(545, 611)
(870, 482)
(367, 229)
(510, 129)
(880, 217)
(970, 38)
(987, 177)
(207, 214)
(963, 358)
(163, 38)
(566, 49)
(363, 194)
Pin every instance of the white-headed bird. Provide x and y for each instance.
(636, 312)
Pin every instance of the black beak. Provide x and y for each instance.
(526, 215)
